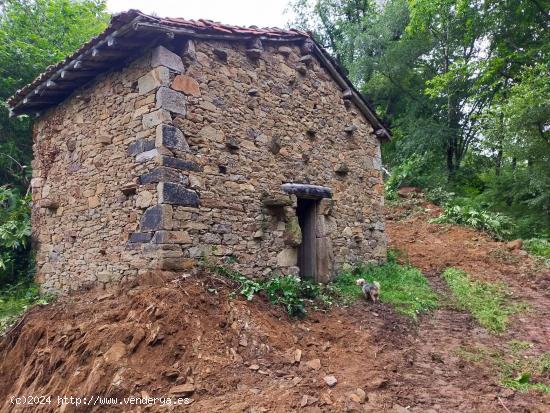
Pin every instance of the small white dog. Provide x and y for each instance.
(371, 291)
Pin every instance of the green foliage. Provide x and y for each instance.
(487, 302)
(439, 196)
(515, 369)
(247, 286)
(402, 286)
(288, 291)
(527, 112)
(403, 174)
(538, 247)
(498, 225)
(33, 35)
(16, 299)
(15, 231)
(37, 33)
(522, 194)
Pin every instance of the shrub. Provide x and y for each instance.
(497, 225)
(439, 196)
(289, 291)
(247, 286)
(487, 302)
(15, 231)
(403, 174)
(402, 286)
(16, 299)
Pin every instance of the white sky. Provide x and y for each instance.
(262, 13)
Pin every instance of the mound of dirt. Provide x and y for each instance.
(188, 338)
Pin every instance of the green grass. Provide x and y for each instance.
(514, 369)
(487, 302)
(402, 286)
(15, 300)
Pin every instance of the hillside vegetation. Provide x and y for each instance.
(464, 85)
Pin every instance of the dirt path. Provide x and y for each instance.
(459, 385)
(143, 340)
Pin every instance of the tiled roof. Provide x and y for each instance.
(59, 80)
(209, 26)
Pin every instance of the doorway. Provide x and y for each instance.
(306, 212)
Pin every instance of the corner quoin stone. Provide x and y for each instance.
(172, 237)
(156, 218)
(176, 194)
(155, 118)
(170, 137)
(182, 164)
(147, 156)
(141, 145)
(161, 56)
(163, 174)
(171, 100)
(159, 76)
(140, 237)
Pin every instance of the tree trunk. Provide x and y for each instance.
(451, 170)
(498, 162)
(453, 157)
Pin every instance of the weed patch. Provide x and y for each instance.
(288, 291)
(539, 247)
(402, 286)
(514, 368)
(487, 302)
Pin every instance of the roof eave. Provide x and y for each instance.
(59, 81)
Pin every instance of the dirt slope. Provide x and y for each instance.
(143, 340)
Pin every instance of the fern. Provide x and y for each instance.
(494, 223)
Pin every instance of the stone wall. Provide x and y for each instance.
(258, 123)
(180, 156)
(84, 188)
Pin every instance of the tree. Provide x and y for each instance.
(33, 35)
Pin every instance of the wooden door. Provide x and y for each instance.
(307, 253)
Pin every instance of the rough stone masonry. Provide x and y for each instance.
(179, 156)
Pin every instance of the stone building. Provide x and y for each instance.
(164, 141)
